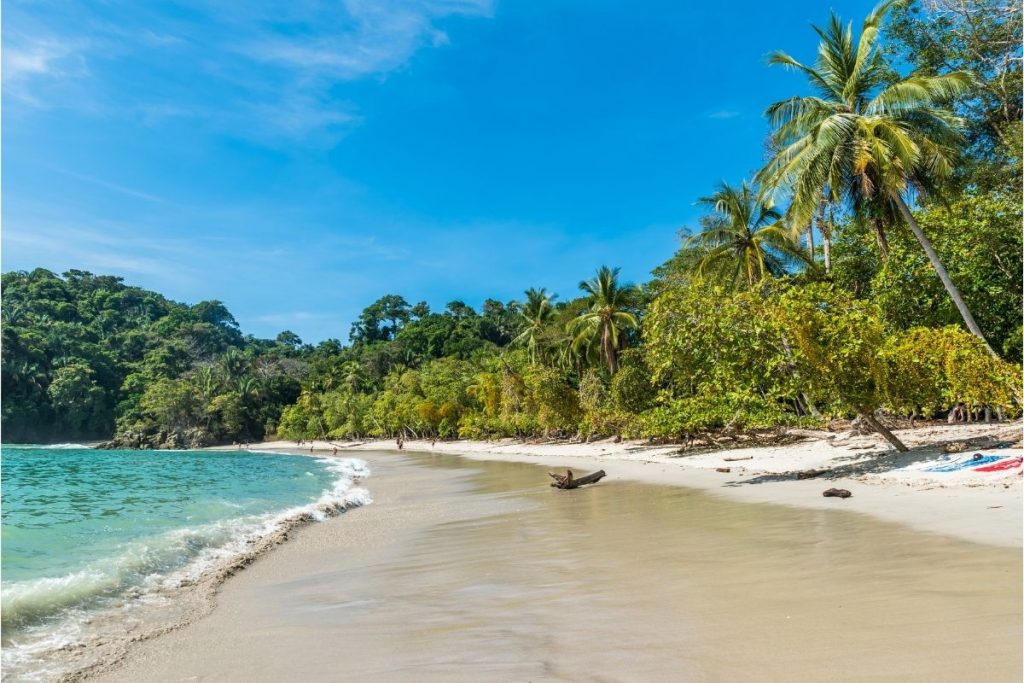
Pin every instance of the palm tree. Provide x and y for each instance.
(868, 138)
(746, 239)
(205, 379)
(537, 312)
(607, 318)
(231, 364)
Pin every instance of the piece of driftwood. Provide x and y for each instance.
(810, 474)
(567, 481)
(723, 469)
(745, 457)
(837, 493)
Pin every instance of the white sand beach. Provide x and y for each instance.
(476, 570)
(983, 507)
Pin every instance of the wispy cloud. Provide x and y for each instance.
(265, 70)
(723, 114)
(101, 250)
(34, 62)
(113, 187)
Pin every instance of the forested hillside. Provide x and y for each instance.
(85, 355)
(871, 268)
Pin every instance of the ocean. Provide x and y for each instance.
(89, 535)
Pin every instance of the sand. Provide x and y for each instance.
(973, 506)
(476, 570)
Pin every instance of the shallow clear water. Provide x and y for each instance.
(84, 529)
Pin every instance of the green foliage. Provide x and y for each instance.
(738, 330)
(608, 318)
(745, 240)
(866, 135)
(832, 343)
(78, 402)
(979, 238)
(982, 37)
(932, 369)
(85, 356)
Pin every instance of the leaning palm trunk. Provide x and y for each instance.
(810, 242)
(882, 239)
(875, 424)
(954, 293)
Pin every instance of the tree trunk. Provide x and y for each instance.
(609, 350)
(826, 240)
(884, 431)
(810, 241)
(566, 481)
(954, 293)
(883, 241)
(811, 408)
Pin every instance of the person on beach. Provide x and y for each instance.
(400, 442)
(335, 451)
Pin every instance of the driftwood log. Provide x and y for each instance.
(567, 481)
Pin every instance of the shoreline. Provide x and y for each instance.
(467, 571)
(894, 487)
(85, 643)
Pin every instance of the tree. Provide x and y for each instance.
(868, 137)
(608, 317)
(833, 345)
(459, 309)
(370, 327)
(537, 312)
(289, 339)
(980, 238)
(78, 400)
(745, 240)
(982, 37)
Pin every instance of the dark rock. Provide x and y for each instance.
(837, 493)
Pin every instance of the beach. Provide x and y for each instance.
(473, 568)
(983, 507)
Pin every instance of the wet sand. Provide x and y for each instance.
(473, 571)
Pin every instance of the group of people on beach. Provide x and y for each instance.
(312, 444)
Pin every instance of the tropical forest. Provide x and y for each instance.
(870, 270)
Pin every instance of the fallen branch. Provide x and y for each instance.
(566, 481)
(745, 457)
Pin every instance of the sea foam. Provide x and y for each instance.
(43, 615)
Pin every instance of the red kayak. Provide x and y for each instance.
(1008, 464)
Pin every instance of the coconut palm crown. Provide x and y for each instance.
(537, 312)
(745, 240)
(866, 132)
(607, 319)
(868, 138)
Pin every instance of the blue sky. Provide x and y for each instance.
(297, 160)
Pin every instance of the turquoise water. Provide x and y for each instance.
(84, 529)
